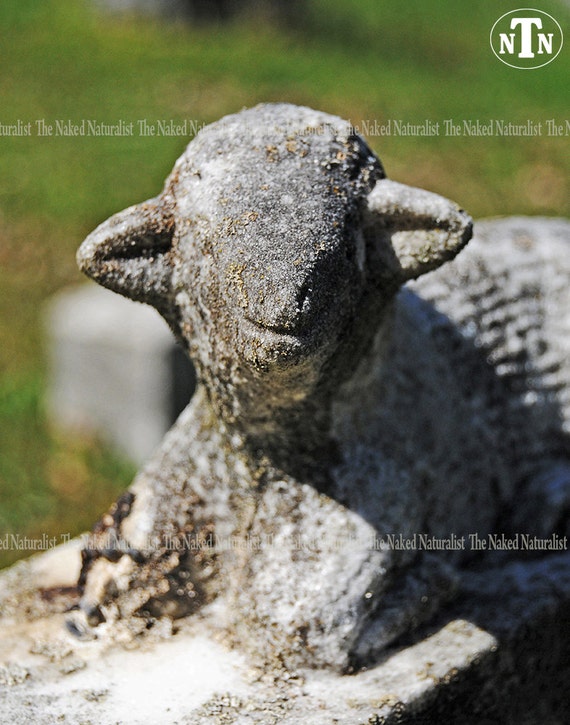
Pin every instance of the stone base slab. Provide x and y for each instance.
(500, 654)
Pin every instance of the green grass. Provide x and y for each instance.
(51, 483)
(361, 59)
(364, 60)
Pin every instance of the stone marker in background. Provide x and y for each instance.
(115, 370)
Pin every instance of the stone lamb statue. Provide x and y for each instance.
(348, 434)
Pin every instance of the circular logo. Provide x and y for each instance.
(526, 38)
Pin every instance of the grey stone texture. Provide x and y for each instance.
(499, 654)
(362, 460)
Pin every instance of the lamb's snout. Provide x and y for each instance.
(297, 290)
(293, 304)
(288, 310)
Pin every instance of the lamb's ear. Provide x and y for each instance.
(414, 230)
(129, 253)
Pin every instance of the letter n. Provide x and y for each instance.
(545, 42)
(507, 43)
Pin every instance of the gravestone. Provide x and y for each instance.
(115, 370)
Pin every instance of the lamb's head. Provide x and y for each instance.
(275, 230)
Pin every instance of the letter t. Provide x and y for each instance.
(526, 34)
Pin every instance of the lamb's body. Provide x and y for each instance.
(298, 458)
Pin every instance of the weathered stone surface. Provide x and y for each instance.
(500, 654)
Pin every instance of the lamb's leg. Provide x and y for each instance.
(420, 593)
(153, 554)
(172, 579)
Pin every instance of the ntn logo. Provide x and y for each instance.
(526, 38)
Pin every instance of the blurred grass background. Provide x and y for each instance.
(361, 59)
